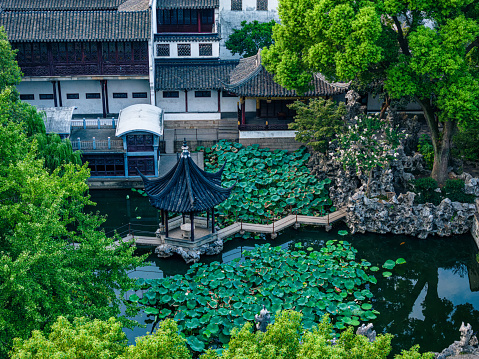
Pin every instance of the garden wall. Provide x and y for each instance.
(401, 216)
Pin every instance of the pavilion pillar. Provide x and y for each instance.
(162, 217)
(166, 223)
(207, 219)
(243, 110)
(192, 220)
(213, 220)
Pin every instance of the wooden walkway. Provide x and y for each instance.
(272, 228)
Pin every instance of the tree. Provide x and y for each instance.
(317, 122)
(286, 339)
(251, 37)
(424, 51)
(86, 338)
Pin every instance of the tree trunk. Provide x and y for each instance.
(442, 153)
(441, 141)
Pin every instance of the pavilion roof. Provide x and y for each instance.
(186, 188)
(251, 79)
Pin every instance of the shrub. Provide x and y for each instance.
(466, 143)
(425, 190)
(454, 190)
(425, 148)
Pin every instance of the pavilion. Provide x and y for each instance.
(187, 190)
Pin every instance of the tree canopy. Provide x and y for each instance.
(420, 50)
(317, 122)
(251, 37)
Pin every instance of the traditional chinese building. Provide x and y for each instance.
(91, 54)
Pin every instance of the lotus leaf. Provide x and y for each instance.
(400, 261)
(151, 310)
(387, 274)
(389, 264)
(134, 298)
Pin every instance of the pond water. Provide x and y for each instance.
(423, 302)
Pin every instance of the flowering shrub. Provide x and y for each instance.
(369, 143)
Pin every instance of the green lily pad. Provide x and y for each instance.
(389, 264)
(387, 274)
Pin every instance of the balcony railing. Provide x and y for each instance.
(272, 127)
(96, 145)
(98, 123)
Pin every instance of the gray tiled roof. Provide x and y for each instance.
(192, 75)
(186, 37)
(134, 5)
(36, 26)
(187, 4)
(251, 79)
(28, 5)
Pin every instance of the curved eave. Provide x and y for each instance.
(120, 134)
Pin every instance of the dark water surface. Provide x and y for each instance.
(423, 302)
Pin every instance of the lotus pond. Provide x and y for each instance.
(423, 301)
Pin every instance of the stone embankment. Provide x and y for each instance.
(400, 215)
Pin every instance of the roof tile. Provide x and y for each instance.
(38, 26)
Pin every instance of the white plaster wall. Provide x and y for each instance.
(36, 88)
(202, 104)
(82, 87)
(195, 50)
(229, 104)
(190, 116)
(230, 20)
(250, 105)
(128, 86)
(171, 104)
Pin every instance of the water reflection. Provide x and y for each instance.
(424, 302)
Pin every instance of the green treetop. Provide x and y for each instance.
(421, 50)
(251, 37)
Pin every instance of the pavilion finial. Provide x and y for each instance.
(185, 152)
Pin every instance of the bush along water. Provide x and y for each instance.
(270, 184)
(210, 300)
(427, 191)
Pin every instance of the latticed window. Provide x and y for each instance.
(163, 50)
(206, 49)
(184, 49)
(237, 5)
(261, 4)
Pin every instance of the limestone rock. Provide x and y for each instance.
(401, 216)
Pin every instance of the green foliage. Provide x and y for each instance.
(164, 343)
(389, 44)
(286, 339)
(86, 338)
(454, 190)
(413, 353)
(82, 339)
(268, 184)
(425, 191)
(210, 300)
(426, 149)
(54, 260)
(56, 151)
(425, 188)
(251, 37)
(318, 122)
(466, 143)
(10, 73)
